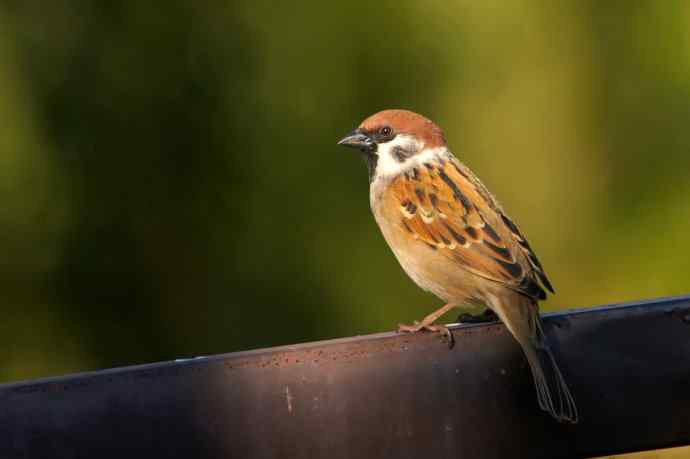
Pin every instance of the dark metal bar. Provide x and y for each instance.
(377, 396)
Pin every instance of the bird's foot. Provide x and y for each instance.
(422, 326)
(486, 316)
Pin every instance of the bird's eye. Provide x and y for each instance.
(386, 131)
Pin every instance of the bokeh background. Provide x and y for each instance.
(171, 187)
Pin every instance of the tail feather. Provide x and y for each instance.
(523, 321)
(552, 391)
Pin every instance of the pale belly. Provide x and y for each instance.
(430, 269)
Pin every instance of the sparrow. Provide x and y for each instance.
(453, 238)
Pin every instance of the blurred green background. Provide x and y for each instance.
(171, 187)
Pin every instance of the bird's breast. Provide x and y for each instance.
(427, 266)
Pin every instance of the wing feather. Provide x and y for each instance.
(445, 206)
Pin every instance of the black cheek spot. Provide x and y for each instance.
(399, 154)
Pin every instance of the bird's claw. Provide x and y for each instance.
(420, 326)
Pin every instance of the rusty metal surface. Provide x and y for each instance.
(376, 396)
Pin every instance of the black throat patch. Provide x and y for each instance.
(371, 159)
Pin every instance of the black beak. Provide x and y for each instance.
(358, 139)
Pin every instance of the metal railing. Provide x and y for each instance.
(378, 396)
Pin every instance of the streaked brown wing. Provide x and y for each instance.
(445, 206)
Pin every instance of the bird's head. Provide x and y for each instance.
(394, 140)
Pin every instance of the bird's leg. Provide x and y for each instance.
(427, 324)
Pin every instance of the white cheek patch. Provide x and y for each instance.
(389, 163)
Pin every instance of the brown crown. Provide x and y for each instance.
(407, 122)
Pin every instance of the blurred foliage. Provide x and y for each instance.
(171, 185)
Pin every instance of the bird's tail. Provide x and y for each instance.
(553, 394)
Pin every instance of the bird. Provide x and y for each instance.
(453, 239)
